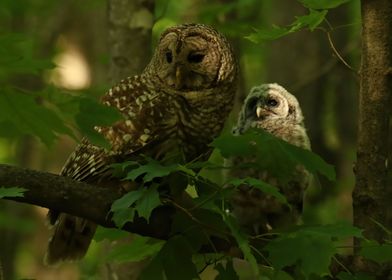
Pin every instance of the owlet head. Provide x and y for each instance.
(268, 102)
(192, 57)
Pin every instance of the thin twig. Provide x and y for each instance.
(337, 53)
(193, 218)
(260, 254)
(342, 265)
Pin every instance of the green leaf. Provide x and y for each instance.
(227, 272)
(233, 146)
(154, 270)
(322, 4)
(272, 154)
(176, 257)
(154, 169)
(376, 252)
(242, 241)
(17, 56)
(139, 248)
(148, 202)
(126, 200)
(29, 117)
(267, 34)
(120, 208)
(311, 252)
(11, 221)
(263, 186)
(358, 276)
(12, 192)
(109, 233)
(143, 201)
(311, 21)
(121, 217)
(339, 230)
(91, 114)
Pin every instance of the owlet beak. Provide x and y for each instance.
(259, 112)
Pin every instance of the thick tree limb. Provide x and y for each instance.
(79, 199)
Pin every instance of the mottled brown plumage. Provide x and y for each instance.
(272, 108)
(172, 111)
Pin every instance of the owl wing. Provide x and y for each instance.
(129, 137)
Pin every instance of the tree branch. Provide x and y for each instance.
(79, 199)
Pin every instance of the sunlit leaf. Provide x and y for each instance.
(109, 233)
(138, 249)
(12, 192)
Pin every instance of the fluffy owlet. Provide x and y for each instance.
(176, 106)
(274, 109)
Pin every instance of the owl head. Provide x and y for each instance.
(268, 104)
(192, 57)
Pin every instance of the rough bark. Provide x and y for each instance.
(372, 194)
(79, 199)
(130, 25)
(130, 42)
(371, 199)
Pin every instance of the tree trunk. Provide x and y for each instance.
(372, 194)
(130, 30)
(130, 26)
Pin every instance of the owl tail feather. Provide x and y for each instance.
(71, 239)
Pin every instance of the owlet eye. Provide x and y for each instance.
(169, 57)
(195, 57)
(271, 102)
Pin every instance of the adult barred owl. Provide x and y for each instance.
(274, 109)
(174, 109)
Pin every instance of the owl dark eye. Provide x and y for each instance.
(272, 102)
(169, 57)
(195, 57)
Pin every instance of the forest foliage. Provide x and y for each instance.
(302, 252)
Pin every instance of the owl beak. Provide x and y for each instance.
(179, 79)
